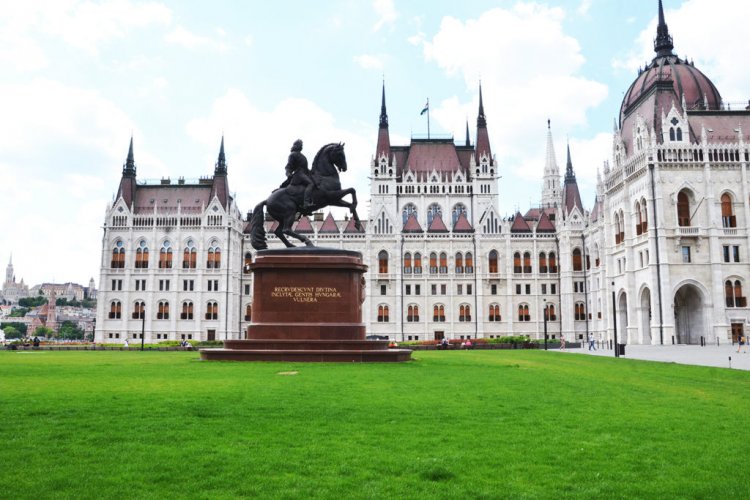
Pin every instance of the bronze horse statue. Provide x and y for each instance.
(285, 203)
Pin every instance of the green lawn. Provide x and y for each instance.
(449, 424)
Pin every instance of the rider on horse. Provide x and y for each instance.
(297, 164)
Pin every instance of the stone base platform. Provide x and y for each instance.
(358, 351)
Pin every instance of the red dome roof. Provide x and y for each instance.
(683, 77)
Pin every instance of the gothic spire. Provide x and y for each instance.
(551, 186)
(663, 44)
(570, 176)
(383, 112)
(129, 168)
(384, 141)
(468, 139)
(481, 120)
(221, 164)
(571, 195)
(482, 139)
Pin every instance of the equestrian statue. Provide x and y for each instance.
(303, 192)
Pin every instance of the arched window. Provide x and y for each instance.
(383, 262)
(412, 314)
(438, 313)
(523, 313)
(552, 263)
(141, 256)
(383, 316)
(457, 211)
(517, 268)
(433, 263)
(469, 263)
(733, 294)
(580, 312)
(163, 310)
(577, 264)
(115, 309)
(527, 263)
(409, 209)
(165, 256)
(407, 263)
(493, 261)
(616, 225)
(433, 211)
(622, 227)
(214, 257)
(550, 312)
(443, 263)
(459, 263)
(495, 313)
(727, 213)
(249, 312)
(246, 264)
(679, 134)
(187, 310)
(189, 256)
(671, 134)
(464, 312)
(683, 209)
(638, 218)
(118, 256)
(417, 263)
(644, 216)
(212, 310)
(139, 309)
(543, 263)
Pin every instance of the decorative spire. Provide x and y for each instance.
(383, 113)
(221, 164)
(663, 44)
(482, 138)
(551, 182)
(128, 169)
(468, 139)
(481, 120)
(570, 176)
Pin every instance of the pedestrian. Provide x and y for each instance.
(592, 345)
(126, 345)
(740, 343)
(562, 342)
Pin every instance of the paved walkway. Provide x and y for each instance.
(683, 354)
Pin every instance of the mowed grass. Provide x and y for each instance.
(468, 424)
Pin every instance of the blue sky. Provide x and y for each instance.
(79, 77)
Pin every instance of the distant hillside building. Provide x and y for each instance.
(12, 290)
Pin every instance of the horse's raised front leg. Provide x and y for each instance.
(279, 232)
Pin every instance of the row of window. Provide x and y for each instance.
(164, 285)
(464, 313)
(434, 210)
(189, 256)
(464, 263)
(139, 310)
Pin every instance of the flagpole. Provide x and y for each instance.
(428, 118)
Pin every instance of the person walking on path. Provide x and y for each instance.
(592, 346)
(562, 342)
(740, 343)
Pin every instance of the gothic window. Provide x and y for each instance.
(443, 263)
(616, 226)
(552, 263)
(517, 263)
(189, 256)
(214, 257)
(417, 263)
(733, 294)
(249, 312)
(543, 263)
(638, 218)
(407, 263)
(644, 216)
(433, 263)
(187, 310)
(141, 255)
(115, 309)
(493, 261)
(683, 209)
(459, 263)
(118, 256)
(527, 263)
(438, 313)
(163, 310)
(577, 264)
(550, 312)
(247, 262)
(383, 316)
(433, 211)
(495, 313)
(464, 312)
(523, 313)
(212, 310)
(408, 210)
(412, 314)
(580, 312)
(165, 256)
(727, 214)
(383, 262)
(457, 211)
(139, 309)
(622, 227)
(469, 263)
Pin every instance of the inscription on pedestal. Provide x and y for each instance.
(305, 294)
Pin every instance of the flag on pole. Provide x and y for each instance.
(426, 108)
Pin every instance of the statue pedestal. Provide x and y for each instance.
(307, 306)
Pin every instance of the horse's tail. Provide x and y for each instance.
(257, 231)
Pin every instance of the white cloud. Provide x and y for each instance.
(584, 7)
(185, 38)
(706, 35)
(368, 61)
(258, 140)
(386, 11)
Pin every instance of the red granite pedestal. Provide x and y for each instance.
(307, 306)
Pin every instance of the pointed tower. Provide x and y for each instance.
(663, 44)
(468, 138)
(9, 278)
(571, 195)
(127, 187)
(483, 139)
(220, 187)
(551, 195)
(384, 140)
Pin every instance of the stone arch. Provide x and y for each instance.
(622, 318)
(645, 314)
(690, 306)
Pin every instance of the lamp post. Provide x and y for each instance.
(143, 323)
(614, 321)
(546, 313)
(93, 332)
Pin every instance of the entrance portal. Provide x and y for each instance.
(737, 332)
(688, 315)
(439, 335)
(646, 316)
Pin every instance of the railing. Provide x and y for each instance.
(687, 231)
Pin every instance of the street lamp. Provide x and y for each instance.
(614, 321)
(546, 313)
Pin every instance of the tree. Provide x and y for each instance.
(11, 332)
(43, 331)
(18, 312)
(21, 328)
(69, 330)
(32, 301)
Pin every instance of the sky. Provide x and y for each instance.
(80, 77)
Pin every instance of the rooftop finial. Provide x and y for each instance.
(221, 164)
(481, 120)
(663, 44)
(129, 167)
(468, 140)
(569, 174)
(383, 113)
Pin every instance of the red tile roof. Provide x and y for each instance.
(412, 225)
(329, 225)
(545, 225)
(426, 156)
(351, 229)
(437, 226)
(519, 224)
(462, 225)
(303, 225)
